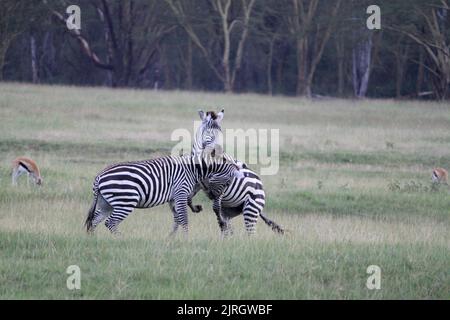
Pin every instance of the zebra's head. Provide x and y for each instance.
(224, 170)
(209, 133)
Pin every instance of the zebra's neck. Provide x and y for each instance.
(197, 146)
(201, 166)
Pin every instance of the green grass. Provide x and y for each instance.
(212, 269)
(353, 189)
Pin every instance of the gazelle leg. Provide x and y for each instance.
(17, 172)
(14, 177)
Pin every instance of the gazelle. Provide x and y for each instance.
(22, 165)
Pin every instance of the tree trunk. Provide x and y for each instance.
(188, 65)
(49, 53)
(110, 54)
(361, 60)
(227, 85)
(2, 60)
(269, 67)
(279, 75)
(34, 59)
(302, 50)
(340, 52)
(399, 81)
(115, 52)
(129, 44)
(420, 72)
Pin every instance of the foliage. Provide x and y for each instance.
(304, 47)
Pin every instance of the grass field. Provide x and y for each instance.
(353, 189)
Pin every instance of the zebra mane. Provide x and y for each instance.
(213, 114)
(212, 123)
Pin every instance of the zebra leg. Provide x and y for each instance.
(175, 223)
(250, 218)
(179, 210)
(228, 229)
(116, 217)
(102, 211)
(98, 217)
(194, 208)
(227, 215)
(217, 207)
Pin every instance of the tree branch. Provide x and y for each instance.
(83, 43)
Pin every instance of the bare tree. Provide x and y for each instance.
(16, 18)
(84, 43)
(401, 51)
(361, 63)
(221, 8)
(433, 37)
(132, 31)
(311, 36)
(340, 57)
(34, 59)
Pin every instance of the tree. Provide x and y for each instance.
(311, 32)
(361, 63)
(221, 9)
(432, 33)
(131, 33)
(15, 18)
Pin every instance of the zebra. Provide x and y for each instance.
(209, 132)
(205, 142)
(122, 187)
(244, 195)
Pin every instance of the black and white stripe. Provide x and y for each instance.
(121, 188)
(209, 132)
(243, 195)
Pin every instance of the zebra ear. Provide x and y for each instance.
(201, 114)
(220, 116)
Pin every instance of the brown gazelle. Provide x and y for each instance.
(23, 165)
(440, 175)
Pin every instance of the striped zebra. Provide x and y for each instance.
(120, 188)
(244, 195)
(209, 132)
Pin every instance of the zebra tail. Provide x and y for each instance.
(275, 227)
(91, 212)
